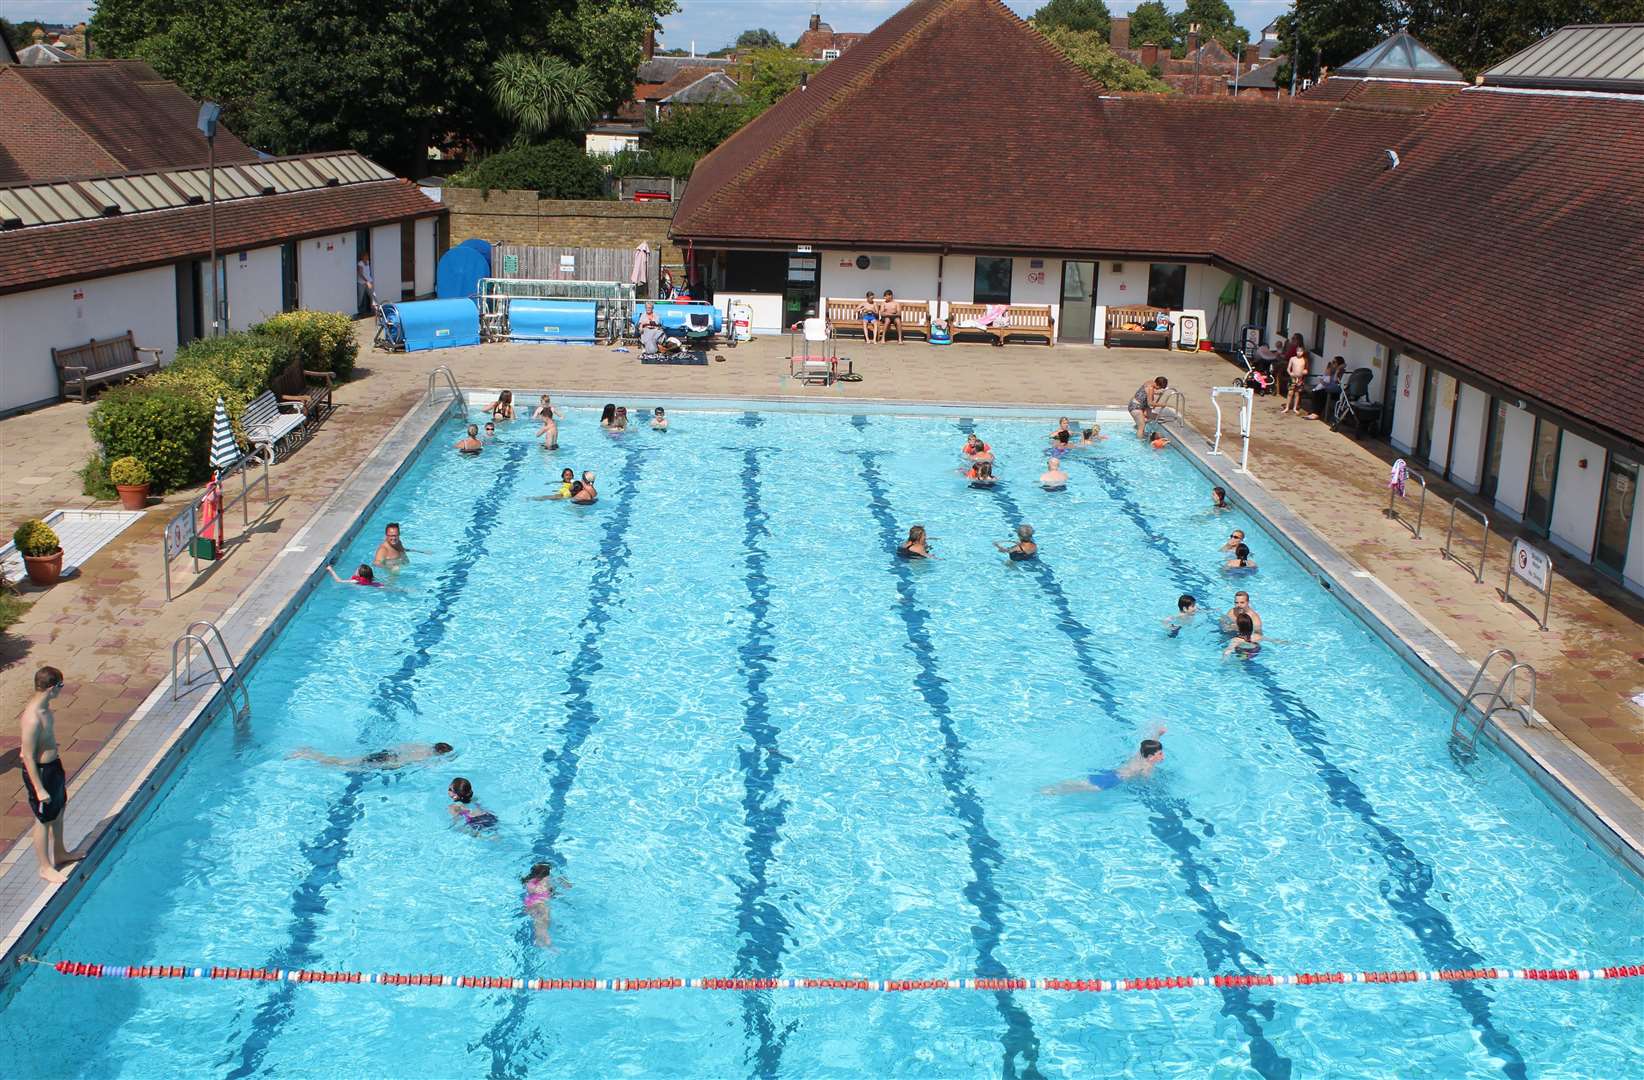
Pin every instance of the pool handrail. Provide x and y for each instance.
(458, 402)
(1421, 504)
(1498, 699)
(1450, 532)
(229, 681)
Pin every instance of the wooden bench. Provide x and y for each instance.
(292, 385)
(269, 424)
(1118, 325)
(1023, 320)
(99, 362)
(842, 313)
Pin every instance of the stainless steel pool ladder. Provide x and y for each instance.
(226, 674)
(459, 404)
(1174, 400)
(1503, 697)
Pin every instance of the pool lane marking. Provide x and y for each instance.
(1220, 943)
(1434, 933)
(763, 926)
(985, 855)
(326, 852)
(580, 720)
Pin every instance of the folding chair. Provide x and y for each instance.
(818, 363)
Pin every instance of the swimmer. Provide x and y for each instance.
(464, 814)
(470, 443)
(1240, 560)
(607, 415)
(503, 407)
(490, 431)
(1158, 441)
(545, 410)
(974, 446)
(981, 474)
(397, 757)
(391, 554)
(1063, 435)
(1092, 435)
(362, 576)
(549, 431)
(1235, 540)
(621, 421)
(540, 887)
(1053, 478)
(1187, 610)
(1024, 548)
(1246, 641)
(1139, 767)
(584, 494)
(1218, 499)
(1241, 603)
(659, 419)
(916, 546)
(566, 479)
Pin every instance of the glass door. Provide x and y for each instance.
(1492, 449)
(1429, 408)
(1538, 506)
(1615, 515)
(1078, 303)
(800, 292)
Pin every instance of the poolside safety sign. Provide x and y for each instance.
(1530, 565)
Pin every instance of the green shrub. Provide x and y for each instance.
(676, 163)
(559, 170)
(322, 340)
(11, 609)
(245, 361)
(35, 537)
(94, 479)
(128, 471)
(163, 421)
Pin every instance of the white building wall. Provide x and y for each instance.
(1438, 452)
(33, 323)
(1038, 284)
(253, 282)
(424, 231)
(325, 274)
(1204, 291)
(1575, 498)
(1633, 572)
(958, 280)
(910, 276)
(1517, 440)
(385, 263)
(1407, 405)
(1472, 429)
(1359, 352)
(1126, 287)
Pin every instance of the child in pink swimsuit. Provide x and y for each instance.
(540, 888)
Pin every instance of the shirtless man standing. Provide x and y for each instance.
(43, 776)
(1241, 603)
(391, 554)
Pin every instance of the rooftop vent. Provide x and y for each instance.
(1392, 159)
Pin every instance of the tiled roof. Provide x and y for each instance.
(681, 79)
(1398, 93)
(31, 258)
(37, 141)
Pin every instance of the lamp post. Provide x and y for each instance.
(207, 123)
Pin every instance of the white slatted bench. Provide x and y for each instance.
(269, 423)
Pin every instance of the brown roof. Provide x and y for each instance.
(95, 111)
(685, 77)
(1411, 94)
(31, 258)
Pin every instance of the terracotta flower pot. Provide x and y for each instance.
(44, 569)
(133, 496)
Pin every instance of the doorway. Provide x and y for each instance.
(802, 290)
(1615, 515)
(1538, 503)
(1078, 315)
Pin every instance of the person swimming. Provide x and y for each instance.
(1240, 562)
(503, 407)
(1235, 540)
(916, 546)
(1053, 478)
(980, 474)
(659, 419)
(1024, 548)
(975, 446)
(607, 415)
(362, 576)
(1063, 435)
(1246, 642)
(490, 431)
(1218, 499)
(582, 492)
(397, 757)
(470, 443)
(466, 815)
(1148, 757)
(1158, 441)
(1092, 435)
(540, 887)
(1187, 610)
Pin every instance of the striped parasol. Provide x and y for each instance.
(225, 452)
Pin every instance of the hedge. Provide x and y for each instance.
(559, 170)
(161, 421)
(323, 339)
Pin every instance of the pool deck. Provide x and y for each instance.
(110, 628)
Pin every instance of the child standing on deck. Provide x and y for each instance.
(540, 887)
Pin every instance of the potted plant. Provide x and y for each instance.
(41, 550)
(131, 480)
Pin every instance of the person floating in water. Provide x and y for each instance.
(1054, 478)
(566, 478)
(362, 576)
(1240, 562)
(395, 757)
(540, 887)
(974, 447)
(1062, 437)
(1024, 548)
(1148, 756)
(659, 419)
(980, 474)
(1158, 440)
(469, 443)
(464, 813)
(1187, 611)
(916, 546)
(1092, 435)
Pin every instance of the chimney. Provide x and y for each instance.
(1119, 34)
(1252, 55)
(1150, 55)
(816, 20)
(1193, 42)
(648, 50)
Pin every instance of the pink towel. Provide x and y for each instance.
(642, 259)
(995, 315)
(1395, 479)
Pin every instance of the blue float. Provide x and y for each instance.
(417, 325)
(537, 319)
(694, 320)
(459, 270)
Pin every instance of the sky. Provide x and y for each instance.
(713, 24)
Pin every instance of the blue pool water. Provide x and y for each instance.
(758, 744)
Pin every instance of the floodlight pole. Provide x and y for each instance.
(211, 196)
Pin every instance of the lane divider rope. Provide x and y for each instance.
(1084, 985)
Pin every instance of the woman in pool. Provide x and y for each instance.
(540, 887)
(1244, 642)
(503, 407)
(1062, 437)
(1092, 435)
(1240, 562)
(362, 576)
(1024, 548)
(981, 474)
(916, 546)
(469, 443)
(607, 415)
(464, 814)
(1144, 401)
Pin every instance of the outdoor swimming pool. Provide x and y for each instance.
(759, 744)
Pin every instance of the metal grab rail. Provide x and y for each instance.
(1172, 395)
(459, 403)
(1421, 504)
(1498, 699)
(1450, 534)
(1246, 408)
(227, 673)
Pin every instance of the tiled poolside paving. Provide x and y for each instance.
(111, 628)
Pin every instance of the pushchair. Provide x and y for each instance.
(1258, 372)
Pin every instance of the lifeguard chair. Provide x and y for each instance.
(813, 358)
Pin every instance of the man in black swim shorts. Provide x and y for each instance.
(43, 775)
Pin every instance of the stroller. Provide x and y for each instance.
(1258, 370)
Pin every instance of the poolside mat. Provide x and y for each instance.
(685, 357)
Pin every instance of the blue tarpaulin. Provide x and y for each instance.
(535, 319)
(460, 269)
(431, 324)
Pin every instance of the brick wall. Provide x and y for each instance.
(520, 217)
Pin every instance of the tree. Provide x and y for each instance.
(1475, 35)
(20, 34)
(1151, 23)
(1331, 32)
(1215, 19)
(1090, 52)
(764, 76)
(1086, 15)
(542, 93)
(697, 129)
(758, 39)
(558, 169)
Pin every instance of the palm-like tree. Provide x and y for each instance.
(542, 93)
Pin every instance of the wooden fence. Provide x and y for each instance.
(570, 264)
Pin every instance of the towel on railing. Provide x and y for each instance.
(995, 315)
(1396, 478)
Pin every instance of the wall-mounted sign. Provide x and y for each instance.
(1036, 264)
(863, 262)
(79, 294)
(242, 256)
(567, 262)
(1036, 277)
(804, 249)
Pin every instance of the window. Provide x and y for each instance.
(992, 281)
(830, 54)
(1615, 515)
(1258, 309)
(1429, 409)
(1166, 285)
(1492, 449)
(1318, 334)
(1538, 506)
(1284, 319)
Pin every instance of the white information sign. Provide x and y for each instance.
(179, 531)
(1530, 565)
